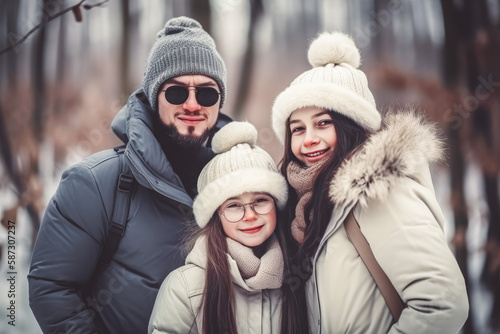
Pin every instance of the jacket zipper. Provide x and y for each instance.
(320, 246)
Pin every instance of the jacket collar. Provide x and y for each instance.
(402, 148)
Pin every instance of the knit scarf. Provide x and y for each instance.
(259, 274)
(302, 180)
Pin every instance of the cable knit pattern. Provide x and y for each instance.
(259, 274)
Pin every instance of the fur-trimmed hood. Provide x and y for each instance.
(404, 145)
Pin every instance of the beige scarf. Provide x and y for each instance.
(259, 274)
(302, 180)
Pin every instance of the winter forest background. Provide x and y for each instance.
(61, 87)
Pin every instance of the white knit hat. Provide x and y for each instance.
(239, 167)
(334, 83)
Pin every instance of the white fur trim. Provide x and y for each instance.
(333, 48)
(405, 144)
(323, 95)
(233, 134)
(234, 184)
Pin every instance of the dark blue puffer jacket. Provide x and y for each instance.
(64, 296)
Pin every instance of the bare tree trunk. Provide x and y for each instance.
(495, 310)
(378, 39)
(125, 49)
(176, 8)
(309, 15)
(491, 270)
(38, 84)
(247, 64)
(39, 109)
(82, 61)
(61, 64)
(482, 40)
(3, 20)
(451, 69)
(4, 41)
(12, 13)
(487, 131)
(9, 162)
(491, 190)
(8, 158)
(451, 64)
(201, 12)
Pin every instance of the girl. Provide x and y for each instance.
(232, 277)
(340, 158)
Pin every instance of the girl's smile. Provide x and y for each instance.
(313, 135)
(252, 230)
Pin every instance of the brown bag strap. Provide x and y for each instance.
(385, 286)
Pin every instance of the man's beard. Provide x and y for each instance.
(185, 141)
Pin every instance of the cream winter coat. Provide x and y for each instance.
(389, 186)
(177, 307)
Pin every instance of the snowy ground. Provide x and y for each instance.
(25, 323)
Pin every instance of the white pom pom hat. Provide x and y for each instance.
(239, 167)
(334, 83)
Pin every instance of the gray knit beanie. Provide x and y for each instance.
(182, 47)
(239, 167)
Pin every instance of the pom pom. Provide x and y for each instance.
(233, 134)
(333, 48)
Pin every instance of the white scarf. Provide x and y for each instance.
(259, 274)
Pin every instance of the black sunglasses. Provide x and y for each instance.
(206, 96)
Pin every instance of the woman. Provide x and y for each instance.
(340, 157)
(232, 278)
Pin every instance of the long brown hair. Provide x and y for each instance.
(218, 301)
(350, 136)
(218, 295)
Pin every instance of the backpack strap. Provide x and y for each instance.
(123, 196)
(383, 282)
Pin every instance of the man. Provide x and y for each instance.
(165, 125)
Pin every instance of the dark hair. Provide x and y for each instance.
(293, 316)
(350, 136)
(218, 295)
(218, 301)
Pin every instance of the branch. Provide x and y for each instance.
(100, 4)
(47, 20)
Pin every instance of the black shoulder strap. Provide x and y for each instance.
(121, 208)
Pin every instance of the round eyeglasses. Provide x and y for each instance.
(206, 96)
(234, 211)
